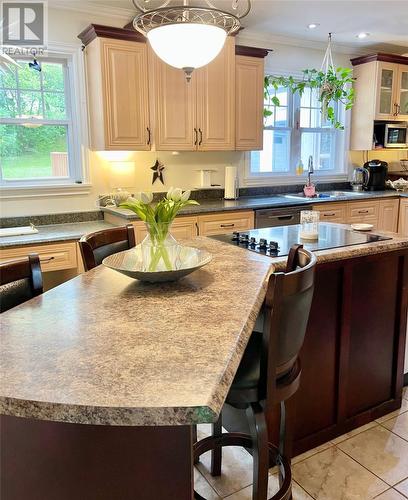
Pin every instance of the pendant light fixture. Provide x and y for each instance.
(187, 36)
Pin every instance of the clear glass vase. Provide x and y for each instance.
(160, 250)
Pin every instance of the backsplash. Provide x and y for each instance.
(358, 158)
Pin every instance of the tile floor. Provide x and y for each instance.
(367, 463)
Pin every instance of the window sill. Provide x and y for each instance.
(13, 192)
(285, 180)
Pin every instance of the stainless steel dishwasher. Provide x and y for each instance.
(272, 217)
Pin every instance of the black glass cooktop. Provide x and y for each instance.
(276, 241)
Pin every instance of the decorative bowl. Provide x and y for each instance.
(131, 263)
(400, 184)
(404, 164)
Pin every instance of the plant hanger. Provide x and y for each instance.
(333, 85)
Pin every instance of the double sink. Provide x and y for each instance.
(329, 195)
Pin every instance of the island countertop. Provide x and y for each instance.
(106, 349)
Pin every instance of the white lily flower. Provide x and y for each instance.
(169, 192)
(186, 195)
(146, 198)
(176, 194)
(137, 196)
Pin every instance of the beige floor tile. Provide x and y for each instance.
(203, 430)
(380, 451)
(398, 425)
(203, 488)
(404, 408)
(298, 493)
(310, 453)
(354, 432)
(332, 475)
(402, 487)
(390, 495)
(236, 470)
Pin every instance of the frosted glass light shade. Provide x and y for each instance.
(187, 45)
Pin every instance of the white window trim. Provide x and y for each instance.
(251, 179)
(80, 153)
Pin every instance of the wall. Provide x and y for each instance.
(358, 158)
(181, 169)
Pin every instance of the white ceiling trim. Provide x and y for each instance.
(91, 8)
(248, 37)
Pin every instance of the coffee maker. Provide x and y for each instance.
(377, 171)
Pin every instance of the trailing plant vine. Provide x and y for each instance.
(333, 84)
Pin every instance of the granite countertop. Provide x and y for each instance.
(256, 202)
(153, 357)
(55, 232)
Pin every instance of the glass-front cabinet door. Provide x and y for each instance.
(402, 93)
(386, 81)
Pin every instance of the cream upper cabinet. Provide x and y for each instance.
(118, 95)
(216, 101)
(196, 115)
(392, 92)
(402, 92)
(174, 107)
(249, 85)
(381, 90)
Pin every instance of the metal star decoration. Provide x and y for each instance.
(158, 168)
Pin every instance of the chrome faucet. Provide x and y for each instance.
(310, 169)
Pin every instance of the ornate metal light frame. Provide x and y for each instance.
(166, 14)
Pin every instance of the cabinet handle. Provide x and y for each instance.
(195, 137)
(363, 212)
(49, 259)
(329, 215)
(149, 136)
(201, 136)
(227, 225)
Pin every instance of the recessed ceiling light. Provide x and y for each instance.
(312, 26)
(363, 35)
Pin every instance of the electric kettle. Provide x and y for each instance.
(360, 178)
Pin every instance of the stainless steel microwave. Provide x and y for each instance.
(396, 135)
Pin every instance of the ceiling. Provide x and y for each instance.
(385, 20)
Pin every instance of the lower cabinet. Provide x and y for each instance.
(204, 225)
(388, 216)
(383, 214)
(332, 212)
(59, 261)
(226, 222)
(182, 228)
(403, 217)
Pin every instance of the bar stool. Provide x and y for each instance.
(96, 246)
(268, 375)
(20, 280)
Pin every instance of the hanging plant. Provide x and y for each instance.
(333, 84)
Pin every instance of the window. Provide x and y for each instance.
(37, 133)
(295, 130)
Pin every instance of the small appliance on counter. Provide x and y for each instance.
(360, 179)
(231, 183)
(377, 175)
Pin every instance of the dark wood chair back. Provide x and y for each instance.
(287, 308)
(20, 280)
(96, 246)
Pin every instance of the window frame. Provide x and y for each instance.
(77, 131)
(340, 144)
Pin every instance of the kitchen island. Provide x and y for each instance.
(102, 377)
